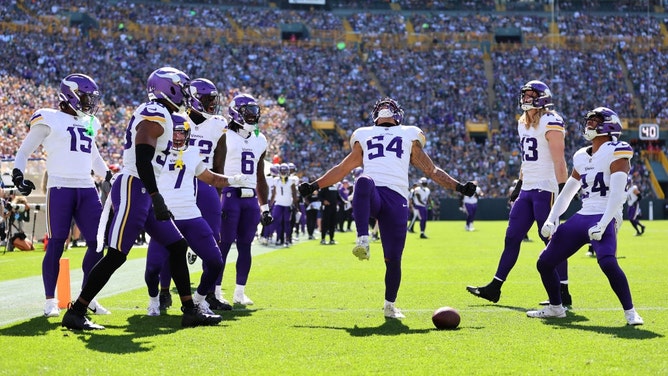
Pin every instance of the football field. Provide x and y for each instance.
(318, 310)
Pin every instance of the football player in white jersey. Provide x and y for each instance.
(542, 175)
(471, 207)
(601, 171)
(267, 231)
(137, 202)
(207, 130)
(421, 196)
(633, 209)
(242, 151)
(182, 170)
(385, 151)
(284, 197)
(68, 137)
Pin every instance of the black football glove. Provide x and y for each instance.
(306, 189)
(516, 191)
(467, 189)
(266, 219)
(22, 185)
(160, 210)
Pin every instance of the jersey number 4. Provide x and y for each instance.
(598, 185)
(529, 149)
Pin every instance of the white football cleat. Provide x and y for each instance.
(392, 312)
(51, 308)
(203, 307)
(97, 309)
(153, 306)
(548, 312)
(242, 299)
(361, 250)
(632, 317)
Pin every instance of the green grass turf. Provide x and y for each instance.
(319, 311)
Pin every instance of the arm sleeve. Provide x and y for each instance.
(99, 166)
(564, 199)
(616, 198)
(144, 161)
(34, 138)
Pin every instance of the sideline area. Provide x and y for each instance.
(25, 296)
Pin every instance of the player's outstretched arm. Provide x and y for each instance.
(422, 161)
(338, 172)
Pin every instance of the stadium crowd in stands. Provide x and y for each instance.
(441, 86)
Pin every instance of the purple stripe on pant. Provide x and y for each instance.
(133, 210)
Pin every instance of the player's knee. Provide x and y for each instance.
(114, 258)
(544, 266)
(608, 263)
(178, 247)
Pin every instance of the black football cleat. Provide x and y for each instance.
(485, 292)
(217, 305)
(165, 300)
(76, 321)
(194, 317)
(566, 299)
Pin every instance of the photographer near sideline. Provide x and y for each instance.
(17, 211)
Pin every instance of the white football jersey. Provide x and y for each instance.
(473, 199)
(421, 196)
(243, 155)
(631, 198)
(271, 183)
(70, 147)
(537, 165)
(594, 173)
(283, 191)
(205, 137)
(155, 112)
(387, 154)
(177, 183)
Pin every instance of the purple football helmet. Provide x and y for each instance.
(357, 172)
(601, 121)
(273, 170)
(204, 97)
(284, 169)
(170, 84)
(292, 167)
(81, 94)
(544, 98)
(395, 111)
(181, 135)
(245, 111)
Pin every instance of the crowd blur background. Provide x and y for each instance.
(455, 67)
